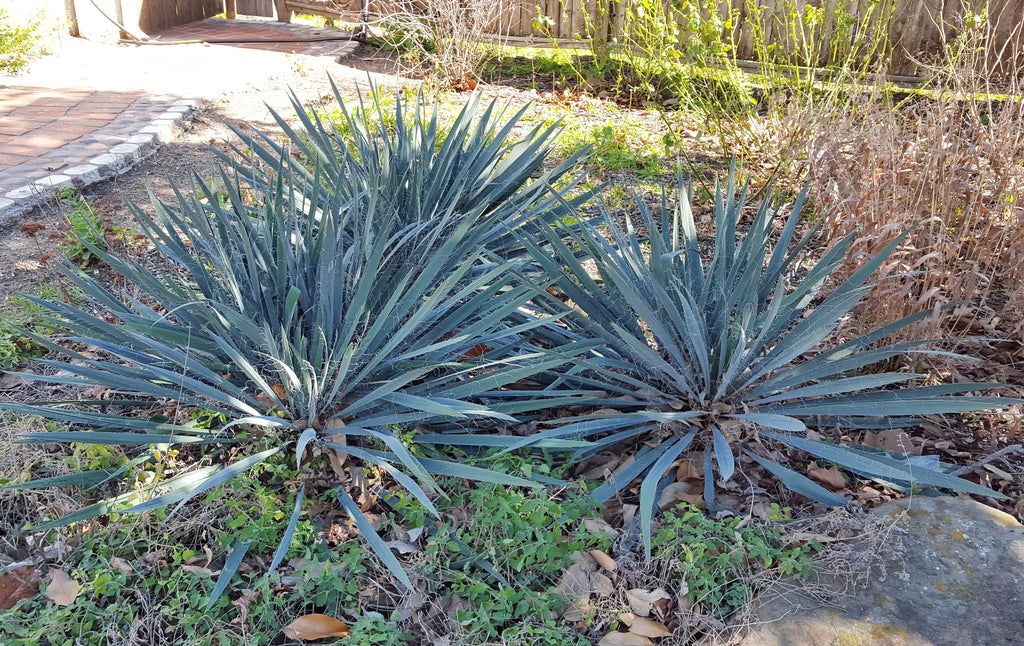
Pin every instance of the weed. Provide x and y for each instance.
(617, 146)
(87, 230)
(719, 560)
(142, 582)
(373, 630)
(528, 541)
(548, 633)
(297, 63)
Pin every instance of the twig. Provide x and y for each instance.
(1013, 448)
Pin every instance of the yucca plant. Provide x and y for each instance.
(421, 167)
(303, 315)
(714, 347)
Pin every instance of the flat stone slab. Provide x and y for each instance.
(957, 581)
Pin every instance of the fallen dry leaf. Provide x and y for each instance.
(598, 527)
(681, 602)
(686, 491)
(602, 466)
(310, 627)
(893, 440)
(829, 477)
(575, 581)
(61, 589)
(281, 393)
(624, 639)
(200, 570)
(10, 381)
(806, 537)
(336, 457)
(19, 583)
(96, 392)
(689, 471)
(628, 513)
(242, 603)
(601, 585)
(604, 560)
(641, 601)
(120, 565)
(578, 611)
(402, 547)
(645, 627)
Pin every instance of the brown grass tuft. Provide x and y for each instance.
(949, 165)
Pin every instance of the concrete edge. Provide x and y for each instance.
(116, 161)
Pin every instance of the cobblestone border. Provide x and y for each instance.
(117, 161)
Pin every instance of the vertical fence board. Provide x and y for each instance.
(157, 15)
(1007, 18)
(144, 22)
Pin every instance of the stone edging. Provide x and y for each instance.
(117, 161)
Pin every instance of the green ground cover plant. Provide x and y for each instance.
(527, 540)
(719, 560)
(139, 580)
(156, 581)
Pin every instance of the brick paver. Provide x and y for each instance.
(48, 129)
(95, 114)
(221, 28)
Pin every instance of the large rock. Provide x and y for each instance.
(957, 580)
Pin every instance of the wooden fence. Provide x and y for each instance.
(916, 29)
(155, 15)
(793, 31)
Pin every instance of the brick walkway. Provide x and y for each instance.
(39, 125)
(223, 29)
(93, 110)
